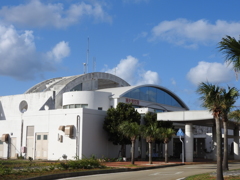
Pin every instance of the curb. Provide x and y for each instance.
(85, 173)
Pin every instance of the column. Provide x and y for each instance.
(188, 142)
(236, 144)
(214, 143)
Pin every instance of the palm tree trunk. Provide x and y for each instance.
(133, 151)
(166, 152)
(123, 150)
(225, 152)
(219, 149)
(150, 152)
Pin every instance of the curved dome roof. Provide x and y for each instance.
(104, 80)
(121, 91)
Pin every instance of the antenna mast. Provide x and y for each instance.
(84, 68)
(87, 56)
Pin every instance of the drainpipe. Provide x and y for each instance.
(21, 135)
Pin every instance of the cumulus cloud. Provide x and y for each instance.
(148, 77)
(210, 72)
(186, 33)
(38, 14)
(60, 51)
(19, 58)
(131, 71)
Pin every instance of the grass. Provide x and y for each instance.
(132, 166)
(207, 176)
(23, 169)
(25, 175)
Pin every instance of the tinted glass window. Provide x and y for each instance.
(152, 94)
(168, 99)
(143, 93)
(135, 94)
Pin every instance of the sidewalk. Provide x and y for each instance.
(141, 164)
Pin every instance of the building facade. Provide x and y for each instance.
(62, 118)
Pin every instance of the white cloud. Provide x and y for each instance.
(210, 72)
(131, 71)
(141, 35)
(19, 58)
(173, 81)
(189, 34)
(148, 77)
(60, 51)
(38, 14)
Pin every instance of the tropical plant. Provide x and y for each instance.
(151, 118)
(231, 48)
(115, 116)
(130, 130)
(234, 115)
(229, 98)
(166, 135)
(151, 133)
(212, 99)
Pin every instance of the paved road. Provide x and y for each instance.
(168, 173)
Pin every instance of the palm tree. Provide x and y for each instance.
(151, 133)
(130, 130)
(229, 98)
(231, 48)
(166, 135)
(235, 115)
(212, 99)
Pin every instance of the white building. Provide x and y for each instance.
(64, 116)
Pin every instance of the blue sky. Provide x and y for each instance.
(169, 43)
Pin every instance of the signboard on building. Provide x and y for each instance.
(133, 101)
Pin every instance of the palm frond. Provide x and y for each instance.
(231, 49)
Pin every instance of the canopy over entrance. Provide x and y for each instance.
(200, 117)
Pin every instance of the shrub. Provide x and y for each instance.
(4, 169)
(81, 164)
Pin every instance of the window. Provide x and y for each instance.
(77, 105)
(77, 88)
(38, 137)
(66, 107)
(99, 108)
(1, 142)
(45, 137)
(72, 106)
(152, 94)
(84, 105)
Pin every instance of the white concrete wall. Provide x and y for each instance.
(49, 122)
(35, 101)
(94, 99)
(94, 138)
